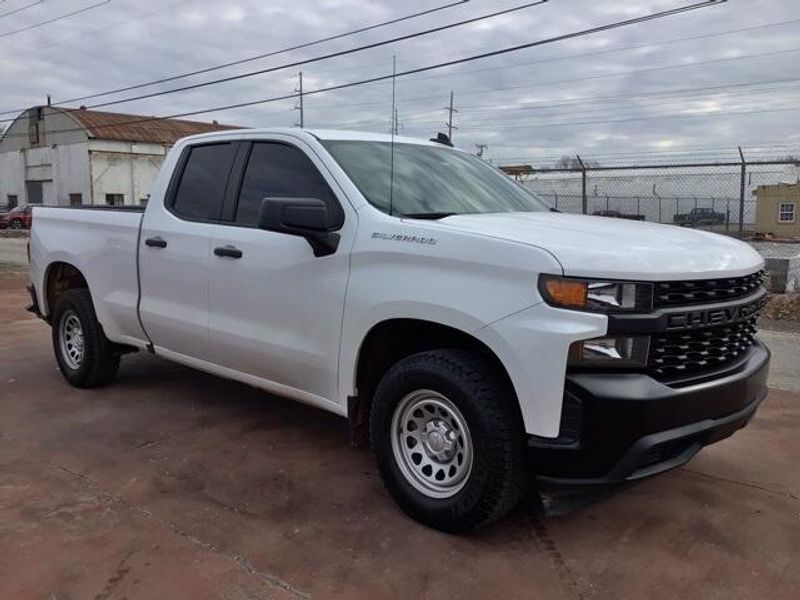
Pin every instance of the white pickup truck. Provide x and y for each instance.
(478, 338)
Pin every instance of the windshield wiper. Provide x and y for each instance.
(429, 215)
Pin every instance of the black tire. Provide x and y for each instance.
(17, 224)
(499, 476)
(98, 364)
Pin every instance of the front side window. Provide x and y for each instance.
(429, 181)
(786, 212)
(201, 190)
(278, 171)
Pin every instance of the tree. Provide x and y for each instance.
(572, 162)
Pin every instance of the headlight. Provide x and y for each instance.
(618, 351)
(596, 295)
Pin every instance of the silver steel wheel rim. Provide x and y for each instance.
(431, 443)
(70, 336)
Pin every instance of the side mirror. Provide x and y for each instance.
(305, 217)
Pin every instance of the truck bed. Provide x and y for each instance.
(102, 243)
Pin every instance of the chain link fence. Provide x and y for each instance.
(715, 196)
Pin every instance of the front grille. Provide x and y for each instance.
(705, 291)
(694, 351)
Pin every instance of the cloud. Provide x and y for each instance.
(622, 86)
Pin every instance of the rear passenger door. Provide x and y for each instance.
(174, 250)
(275, 308)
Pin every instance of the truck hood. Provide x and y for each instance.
(593, 246)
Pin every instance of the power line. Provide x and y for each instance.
(20, 9)
(554, 59)
(668, 96)
(597, 53)
(370, 46)
(511, 49)
(273, 52)
(625, 120)
(240, 61)
(592, 54)
(138, 17)
(541, 84)
(6, 34)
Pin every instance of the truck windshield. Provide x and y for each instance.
(429, 181)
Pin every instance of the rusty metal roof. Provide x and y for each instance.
(139, 128)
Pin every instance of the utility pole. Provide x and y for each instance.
(450, 110)
(299, 105)
(396, 123)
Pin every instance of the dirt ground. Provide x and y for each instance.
(173, 484)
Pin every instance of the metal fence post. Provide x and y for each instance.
(584, 200)
(727, 215)
(742, 184)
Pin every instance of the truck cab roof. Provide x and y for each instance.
(319, 134)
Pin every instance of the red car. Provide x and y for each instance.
(17, 218)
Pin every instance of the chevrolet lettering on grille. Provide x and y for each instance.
(690, 319)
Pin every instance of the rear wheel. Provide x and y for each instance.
(449, 440)
(16, 224)
(83, 353)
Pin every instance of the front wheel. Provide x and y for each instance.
(83, 352)
(16, 224)
(449, 440)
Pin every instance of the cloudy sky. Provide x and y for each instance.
(692, 85)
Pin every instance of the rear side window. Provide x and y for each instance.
(279, 171)
(202, 186)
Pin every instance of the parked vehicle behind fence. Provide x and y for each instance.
(481, 341)
(700, 216)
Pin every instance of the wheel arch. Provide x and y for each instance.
(391, 340)
(59, 277)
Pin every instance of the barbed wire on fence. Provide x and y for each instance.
(713, 195)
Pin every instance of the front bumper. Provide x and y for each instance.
(619, 427)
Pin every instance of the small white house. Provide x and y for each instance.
(68, 157)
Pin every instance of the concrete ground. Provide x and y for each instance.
(13, 248)
(174, 484)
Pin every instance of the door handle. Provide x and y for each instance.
(229, 251)
(155, 242)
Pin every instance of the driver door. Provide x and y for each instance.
(276, 309)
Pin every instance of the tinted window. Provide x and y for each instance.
(202, 186)
(278, 171)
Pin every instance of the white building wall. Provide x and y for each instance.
(71, 173)
(124, 168)
(68, 162)
(12, 176)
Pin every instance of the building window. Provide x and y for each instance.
(13, 201)
(786, 212)
(75, 199)
(34, 191)
(115, 199)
